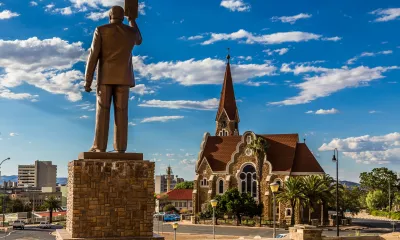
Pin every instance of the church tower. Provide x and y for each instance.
(227, 119)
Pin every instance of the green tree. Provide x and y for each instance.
(292, 194)
(328, 195)
(313, 189)
(184, 185)
(380, 179)
(220, 209)
(349, 200)
(52, 204)
(376, 200)
(239, 204)
(169, 208)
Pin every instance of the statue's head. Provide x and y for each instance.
(116, 14)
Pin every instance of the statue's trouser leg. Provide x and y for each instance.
(120, 97)
(104, 93)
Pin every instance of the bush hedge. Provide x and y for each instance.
(392, 215)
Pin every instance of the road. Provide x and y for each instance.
(375, 227)
(29, 233)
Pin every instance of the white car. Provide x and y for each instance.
(18, 224)
(44, 225)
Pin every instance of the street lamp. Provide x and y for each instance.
(175, 226)
(274, 189)
(335, 158)
(214, 205)
(4, 185)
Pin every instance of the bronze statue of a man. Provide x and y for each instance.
(112, 50)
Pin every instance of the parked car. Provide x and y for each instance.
(171, 217)
(44, 225)
(18, 224)
(283, 235)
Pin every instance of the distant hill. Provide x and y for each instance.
(14, 178)
(350, 184)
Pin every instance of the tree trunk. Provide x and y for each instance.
(51, 216)
(292, 218)
(309, 213)
(322, 213)
(238, 220)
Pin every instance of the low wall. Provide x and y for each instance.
(307, 232)
(354, 238)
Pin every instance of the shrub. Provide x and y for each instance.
(169, 208)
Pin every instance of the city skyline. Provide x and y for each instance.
(327, 71)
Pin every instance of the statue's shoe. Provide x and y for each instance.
(96, 150)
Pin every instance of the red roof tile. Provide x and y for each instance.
(180, 194)
(285, 153)
(305, 160)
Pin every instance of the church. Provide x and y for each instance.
(225, 162)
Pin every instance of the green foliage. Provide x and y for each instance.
(184, 185)
(293, 193)
(349, 199)
(169, 208)
(52, 204)
(259, 146)
(239, 204)
(313, 189)
(376, 199)
(378, 179)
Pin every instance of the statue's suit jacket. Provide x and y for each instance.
(112, 49)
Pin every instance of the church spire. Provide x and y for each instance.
(227, 116)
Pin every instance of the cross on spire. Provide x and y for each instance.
(228, 56)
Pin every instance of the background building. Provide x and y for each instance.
(38, 175)
(161, 183)
(180, 198)
(225, 161)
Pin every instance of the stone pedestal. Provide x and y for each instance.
(305, 232)
(110, 196)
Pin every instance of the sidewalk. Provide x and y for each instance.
(183, 236)
(364, 215)
(187, 222)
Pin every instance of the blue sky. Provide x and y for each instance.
(327, 70)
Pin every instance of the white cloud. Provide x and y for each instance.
(84, 117)
(8, 94)
(188, 161)
(291, 19)
(280, 51)
(63, 11)
(367, 54)
(14, 134)
(100, 7)
(247, 58)
(7, 14)
(274, 38)
(87, 106)
(195, 37)
(65, 29)
(236, 5)
(141, 89)
(161, 119)
(387, 14)
(45, 64)
(196, 72)
(33, 3)
(327, 81)
(210, 104)
(132, 124)
(49, 6)
(257, 84)
(368, 149)
(333, 39)
(373, 112)
(324, 111)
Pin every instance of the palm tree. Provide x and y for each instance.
(52, 204)
(313, 190)
(292, 193)
(259, 147)
(328, 194)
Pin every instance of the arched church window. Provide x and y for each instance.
(248, 182)
(221, 186)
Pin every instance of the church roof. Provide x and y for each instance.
(285, 153)
(227, 101)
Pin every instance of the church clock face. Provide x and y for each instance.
(223, 124)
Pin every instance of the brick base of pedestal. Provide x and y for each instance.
(110, 197)
(63, 234)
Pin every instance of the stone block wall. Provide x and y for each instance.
(110, 198)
